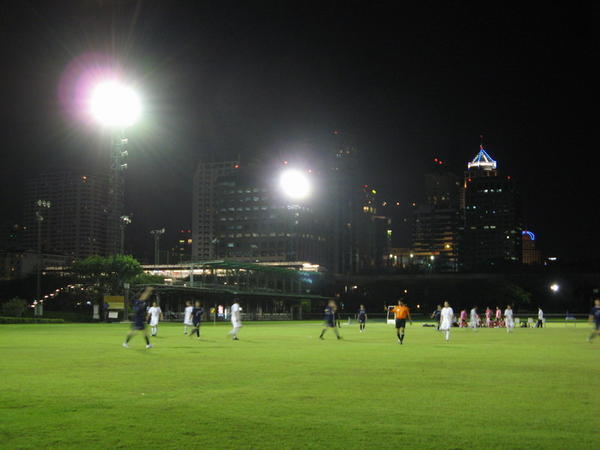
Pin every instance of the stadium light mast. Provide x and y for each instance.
(157, 234)
(41, 205)
(124, 221)
(115, 106)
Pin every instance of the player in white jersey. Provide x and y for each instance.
(474, 319)
(508, 319)
(155, 314)
(187, 318)
(447, 316)
(236, 320)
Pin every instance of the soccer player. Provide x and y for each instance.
(595, 320)
(540, 321)
(447, 315)
(474, 318)
(154, 314)
(330, 310)
(498, 316)
(402, 313)
(508, 319)
(236, 319)
(197, 312)
(463, 319)
(488, 317)
(187, 318)
(436, 315)
(362, 318)
(139, 316)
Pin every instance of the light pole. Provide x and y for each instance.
(41, 205)
(157, 234)
(125, 220)
(115, 106)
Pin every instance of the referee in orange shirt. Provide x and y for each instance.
(402, 313)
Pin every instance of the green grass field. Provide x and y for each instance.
(281, 387)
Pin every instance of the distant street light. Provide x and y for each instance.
(157, 234)
(554, 287)
(116, 106)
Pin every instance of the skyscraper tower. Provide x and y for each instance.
(436, 224)
(493, 230)
(203, 206)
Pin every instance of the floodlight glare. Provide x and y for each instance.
(115, 105)
(294, 184)
(554, 287)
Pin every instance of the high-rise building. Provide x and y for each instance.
(239, 213)
(203, 207)
(383, 243)
(78, 222)
(180, 250)
(361, 238)
(531, 255)
(437, 223)
(255, 222)
(493, 230)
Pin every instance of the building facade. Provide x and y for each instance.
(204, 208)
(437, 223)
(78, 223)
(493, 229)
(256, 223)
(531, 255)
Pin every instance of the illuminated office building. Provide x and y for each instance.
(493, 231)
(531, 255)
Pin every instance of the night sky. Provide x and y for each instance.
(404, 83)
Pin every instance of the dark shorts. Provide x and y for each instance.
(362, 319)
(138, 325)
(400, 323)
(597, 325)
(196, 323)
(330, 323)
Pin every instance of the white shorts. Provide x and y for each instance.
(510, 323)
(236, 324)
(188, 323)
(445, 325)
(153, 322)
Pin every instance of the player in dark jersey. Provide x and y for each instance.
(197, 313)
(362, 318)
(595, 319)
(139, 318)
(437, 316)
(330, 311)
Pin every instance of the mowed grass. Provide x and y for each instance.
(73, 385)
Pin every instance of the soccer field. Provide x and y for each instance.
(73, 385)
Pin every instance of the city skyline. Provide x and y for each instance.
(385, 85)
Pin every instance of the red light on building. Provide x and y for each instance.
(435, 159)
(236, 166)
(508, 177)
(285, 163)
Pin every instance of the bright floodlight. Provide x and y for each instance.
(115, 105)
(554, 287)
(294, 184)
